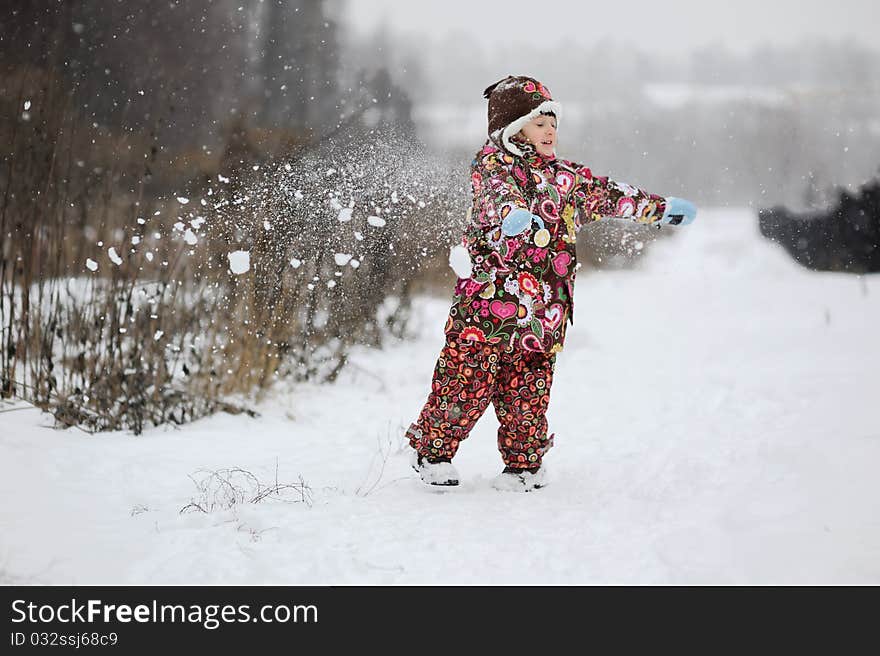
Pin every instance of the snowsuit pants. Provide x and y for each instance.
(468, 377)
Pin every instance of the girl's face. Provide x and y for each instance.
(541, 132)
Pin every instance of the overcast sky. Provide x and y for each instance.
(670, 25)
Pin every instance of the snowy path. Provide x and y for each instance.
(716, 419)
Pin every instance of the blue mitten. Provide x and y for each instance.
(679, 211)
(518, 221)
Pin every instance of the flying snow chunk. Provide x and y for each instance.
(376, 221)
(358, 235)
(190, 237)
(239, 261)
(158, 335)
(27, 105)
(91, 264)
(182, 200)
(222, 179)
(266, 225)
(197, 222)
(141, 220)
(335, 204)
(331, 171)
(460, 261)
(136, 240)
(114, 257)
(149, 256)
(331, 284)
(298, 194)
(345, 214)
(295, 263)
(353, 263)
(341, 259)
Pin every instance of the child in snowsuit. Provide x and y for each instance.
(513, 301)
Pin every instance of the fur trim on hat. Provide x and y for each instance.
(517, 125)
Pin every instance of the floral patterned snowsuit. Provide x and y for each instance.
(508, 319)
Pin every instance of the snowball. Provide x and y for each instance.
(345, 214)
(376, 221)
(114, 257)
(91, 264)
(182, 200)
(295, 263)
(341, 259)
(460, 261)
(239, 261)
(190, 237)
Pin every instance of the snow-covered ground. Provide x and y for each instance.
(717, 421)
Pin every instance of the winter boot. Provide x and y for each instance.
(521, 480)
(434, 472)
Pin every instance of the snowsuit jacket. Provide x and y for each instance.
(520, 291)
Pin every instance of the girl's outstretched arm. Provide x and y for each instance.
(598, 197)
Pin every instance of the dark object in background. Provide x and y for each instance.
(845, 237)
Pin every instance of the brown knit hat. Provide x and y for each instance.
(513, 102)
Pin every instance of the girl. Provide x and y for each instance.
(515, 292)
